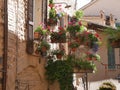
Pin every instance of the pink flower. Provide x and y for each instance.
(80, 23)
(60, 28)
(51, 5)
(70, 23)
(97, 35)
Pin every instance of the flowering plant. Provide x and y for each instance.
(43, 46)
(41, 29)
(74, 26)
(59, 51)
(59, 36)
(52, 14)
(89, 38)
(92, 57)
(39, 32)
(73, 44)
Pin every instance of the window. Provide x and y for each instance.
(117, 24)
(107, 20)
(111, 58)
(30, 20)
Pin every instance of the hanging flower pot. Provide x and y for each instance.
(73, 45)
(59, 53)
(43, 47)
(58, 37)
(37, 35)
(73, 49)
(52, 22)
(59, 56)
(39, 32)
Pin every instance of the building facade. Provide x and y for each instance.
(104, 14)
(20, 67)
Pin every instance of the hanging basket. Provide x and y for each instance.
(58, 38)
(59, 56)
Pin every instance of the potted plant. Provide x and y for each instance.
(92, 57)
(59, 53)
(52, 14)
(90, 39)
(39, 32)
(43, 47)
(73, 45)
(58, 36)
(74, 27)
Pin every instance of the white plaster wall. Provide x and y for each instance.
(108, 6)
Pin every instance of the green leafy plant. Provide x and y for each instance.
(79, 14)
(58, 51)
(82, 63)
(40, 29)
(113, 37)
(107, 86)
(43, 46)
(52, 14)
(60, 71)
(112, 33)
(74, 44)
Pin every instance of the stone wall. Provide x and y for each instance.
(24, 70)
(1, 38)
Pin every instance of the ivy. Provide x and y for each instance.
(62, 71)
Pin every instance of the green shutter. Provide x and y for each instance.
(111, 58)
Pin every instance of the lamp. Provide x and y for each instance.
(67, 6)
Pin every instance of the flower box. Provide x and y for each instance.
(57, 37)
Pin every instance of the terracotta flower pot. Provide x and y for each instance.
(73, 49)
(43, 49)
(59, 56)
(37, 35)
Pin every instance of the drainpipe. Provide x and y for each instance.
(5, 45)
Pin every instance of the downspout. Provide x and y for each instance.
(5, 45)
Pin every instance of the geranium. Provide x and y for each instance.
(90, 39)
(58, 36)
(92, 57)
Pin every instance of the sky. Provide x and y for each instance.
(81, 3)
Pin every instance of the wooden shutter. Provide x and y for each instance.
(30, 27)
(44, 11)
